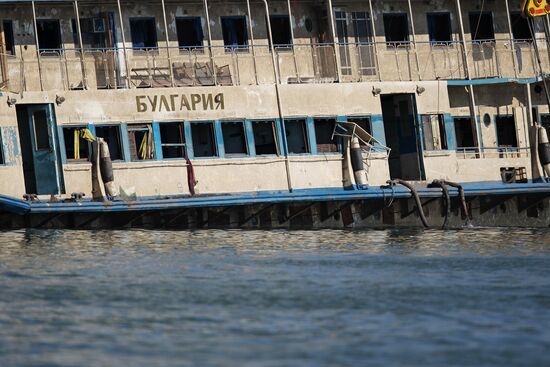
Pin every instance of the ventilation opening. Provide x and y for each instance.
(464, 132)
(296, 136)
(172, 138)
(234, 138)
(265, 140)
(111, 135)
(481, 26)
(323, 134)
(234, 32)
(76, 148)
(49, 34)
(190, 33)
(144, 33)
(439, 27)
(203, 139)
(396, 28)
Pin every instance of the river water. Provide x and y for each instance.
(475, 297)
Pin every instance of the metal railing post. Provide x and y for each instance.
(167, 43)
(414, 40)
(511, 34)
(375, 43)
(209, 30)
(334, 42)
(80, 44)
(292, 39)
(252, 42)
(126, 64)
(37, 45)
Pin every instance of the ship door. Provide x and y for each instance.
(40, 149)
(403, 136)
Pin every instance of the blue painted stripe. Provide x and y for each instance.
(490, 81)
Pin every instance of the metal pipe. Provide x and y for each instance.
(414, 40)
(447, 202)
(37, 45)
(334, 43)
(416, 198)
(374, 39)
(126, 64)
(511, 35)
(80, 43)
(209, 30)
(252, 41)
(167, 43)
(292, 39)
(278, 94)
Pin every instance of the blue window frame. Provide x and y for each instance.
(234, 138)
(297, 137)
(265, 137)
(203, 135)
(113, 138)
(324, 128)
(84, 147)
(172, 140)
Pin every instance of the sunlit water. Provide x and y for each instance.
(476, 297)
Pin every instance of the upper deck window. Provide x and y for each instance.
(112, 137)
(234, 31)
(506, 132)
(396, 28)
(280, 28)
(8, 37)
(234, 138)
(49, 34)
(93, 34)
(204, 139)
(190, 33)
(439, 27)
(265, 137)
(324, 127)
(296, 136)
(144, 33)
(141, 141)
(520, 27)
(172, 139)
(481, 26)
(464, 132)
(76, 148)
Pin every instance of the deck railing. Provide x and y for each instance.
(493, 152)
(67, 69)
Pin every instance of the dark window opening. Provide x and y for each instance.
(363, 122)
(464, 132)
(545, 121)
(324, 129)
(190, 33)
(296, 136)
(481, 26)
(396, 28)
(520, 27)
(234, 138)
(111, 135)
(506, 132)
(142, 145)
(41, 130)
(9, 37)
(439, 27)
(234, 31)
(265, 137)
(280, 28)
(172, 138)
(49, 34)
(92, 31)
(76, 148)
(435, 135)
(204, 141)
(144, 33)
(1, 150)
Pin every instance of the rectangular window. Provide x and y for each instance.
(545, 121)
(324, 128)
(92, 31)
(439, 27)
(142, 145)
(506, 132)
(280, 28)
(234, 31)
(520, 27)
(464, 132)
(144, 33)
(342, 34)
(41, 130)
(2, 161)
(234, 138)
(363, 38)
(190, 33)
(204, 139)
(396, 28)
(49, 34)
(435, 136)
(265, 137)
(8, 37)
(481, 26)
(111, 135)
(76, 148)
(172, 138)
(296, 136)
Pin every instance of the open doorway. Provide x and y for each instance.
(403, 137)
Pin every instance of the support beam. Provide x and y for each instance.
(167, 39)
(80, 44)
(292, 40)
(126, 64)
(37, 44)
(334, 40)
(414, 40)
(257, 214)
(209, 31)
(252, 43)
(373, 26)
(297, 214)
(511, 35)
